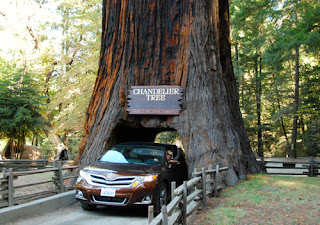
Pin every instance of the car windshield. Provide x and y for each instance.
(134, 154)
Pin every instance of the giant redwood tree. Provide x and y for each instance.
(169, 42)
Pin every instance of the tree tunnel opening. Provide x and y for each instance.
(125, 133)
(169, 137)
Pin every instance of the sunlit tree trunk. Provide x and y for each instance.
(293, 149)
(184, 43)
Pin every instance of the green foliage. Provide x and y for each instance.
(167, 137)
(271, 31)
(47, 146)
(58, 44)
(72, 84)
(73, 145)
(20, 104)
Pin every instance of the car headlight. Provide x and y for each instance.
(84, 175)
(142, 179)
(150, 178)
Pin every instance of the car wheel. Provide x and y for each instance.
(87, 206)
(162, 198)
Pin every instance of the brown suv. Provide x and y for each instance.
(131, 174)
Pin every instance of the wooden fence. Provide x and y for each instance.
(300, 167)
(187, 197)
(17, 164)
(8, 189)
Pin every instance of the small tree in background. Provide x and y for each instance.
(20, 107)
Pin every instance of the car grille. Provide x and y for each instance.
(117, 182)
(114, 200)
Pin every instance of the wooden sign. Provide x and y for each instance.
(155, 100)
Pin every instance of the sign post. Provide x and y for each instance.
(155, 100)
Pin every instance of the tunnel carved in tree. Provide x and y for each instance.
(181, 43)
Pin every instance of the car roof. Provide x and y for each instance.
(147, 143)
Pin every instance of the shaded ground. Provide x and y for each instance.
(265, 199)
(74, 214)
(32, 191)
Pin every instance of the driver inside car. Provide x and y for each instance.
(170, 159)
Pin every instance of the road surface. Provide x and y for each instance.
(75, 215)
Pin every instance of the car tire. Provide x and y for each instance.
(162, 198)
(88, 207)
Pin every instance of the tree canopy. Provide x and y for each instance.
(57, 44)
(20, 104)
(276, 57)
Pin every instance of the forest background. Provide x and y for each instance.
(49, 55)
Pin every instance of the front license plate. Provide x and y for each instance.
(108, 192)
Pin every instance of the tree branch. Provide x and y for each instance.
(74, 53)
(35, 39)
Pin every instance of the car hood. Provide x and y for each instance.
(125, 168)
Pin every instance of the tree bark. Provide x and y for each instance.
(258, 102)
(281, 118)
(293, 148)
(184, 43)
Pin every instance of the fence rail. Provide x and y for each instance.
(309, 168)
(187, 197)
(17, 164)
(8, 189)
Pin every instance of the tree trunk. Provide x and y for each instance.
(281, 118)
(258, 102)
(184, 43)
(293, 149)
(56, 142)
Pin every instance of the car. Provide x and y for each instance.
(131, 174)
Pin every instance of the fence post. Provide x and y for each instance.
(164, 215)
(10, 188)
(150, 213)
(173, 187)
(60, 177)
(4, 185)
(263, 164)
(311, 167)
(194, 170)
(204, 188)
(44, 161)
(210, 177)
(4, 171)
(184, 202)
(55, 175)
(216, 182)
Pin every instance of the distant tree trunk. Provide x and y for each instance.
(183, 43)
(11, 149)
(56, 142)
(293, 149)
(282, 122)
(258, 110)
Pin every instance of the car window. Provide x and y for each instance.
(134, 154)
